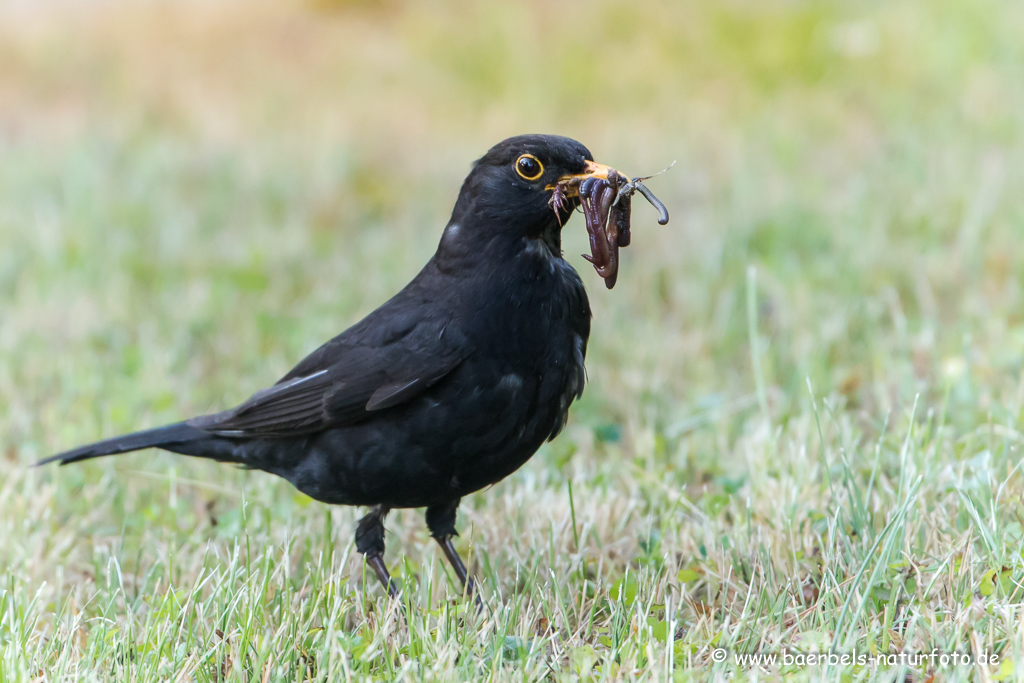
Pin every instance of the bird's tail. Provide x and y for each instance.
(180, 438)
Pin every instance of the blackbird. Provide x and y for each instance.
(448, 387)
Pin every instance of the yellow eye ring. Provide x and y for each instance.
(529, 167)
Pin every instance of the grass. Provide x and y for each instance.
(801, 432)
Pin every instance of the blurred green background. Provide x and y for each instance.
(194, 195)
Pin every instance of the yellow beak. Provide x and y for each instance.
(592, 170)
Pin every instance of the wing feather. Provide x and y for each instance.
(343, 381)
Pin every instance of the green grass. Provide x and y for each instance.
(802, 427)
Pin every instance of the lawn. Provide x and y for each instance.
(801, 429)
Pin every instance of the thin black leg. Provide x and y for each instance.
(441, 522)
(456, 562)
(376, 563)
(370, 542)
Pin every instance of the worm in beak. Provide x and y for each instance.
(605, 196)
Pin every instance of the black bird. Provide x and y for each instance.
(448, 387)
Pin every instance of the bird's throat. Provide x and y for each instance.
(550, 238)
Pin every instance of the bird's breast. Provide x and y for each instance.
(530, 336)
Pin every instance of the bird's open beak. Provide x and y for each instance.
(571, 183)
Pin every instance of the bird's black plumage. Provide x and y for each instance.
(448, 387)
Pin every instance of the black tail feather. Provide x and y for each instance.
(170, 437)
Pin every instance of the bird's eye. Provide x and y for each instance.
(528, 167)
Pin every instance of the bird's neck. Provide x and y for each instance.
(472, 237)
(550, 236)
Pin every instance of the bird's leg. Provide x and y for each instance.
(456, 562)
(370, 542)
(441, 522)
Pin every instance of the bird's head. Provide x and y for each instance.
(508, 193)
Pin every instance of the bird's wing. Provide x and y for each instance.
(368, 368)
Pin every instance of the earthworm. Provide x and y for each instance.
(607, 206)
(597, 195)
